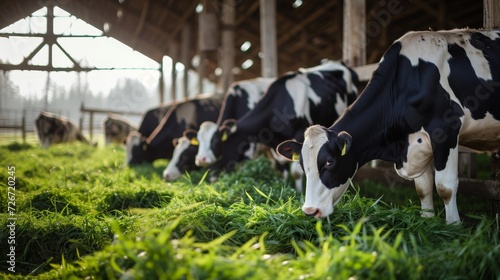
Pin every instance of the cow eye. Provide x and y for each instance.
(330, 161)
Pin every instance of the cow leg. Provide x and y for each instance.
(447, 186)
(425, 187)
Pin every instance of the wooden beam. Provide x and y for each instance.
(183, 19)
(303, 23)
(228, 51)
(491, 14)
(268, 38)
(140, 25)
(435, 13)
(186, 57)
(354, 44)
(488, 189)
(174, 54)
(247, 13)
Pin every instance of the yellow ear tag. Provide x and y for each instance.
(295, 157)
(343, 149)
(224, 137)
(194, 142)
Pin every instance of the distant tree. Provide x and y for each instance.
(10, 96)
(130, 95)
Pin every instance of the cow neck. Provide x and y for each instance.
(373, 120)
(163, 133)
(257, 120)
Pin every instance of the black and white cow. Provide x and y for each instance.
(54, 129)
(183, 115)
(151, 119)
(291, 104)
(240, 98)
(183, 156)
(431, 92)
(117, 128)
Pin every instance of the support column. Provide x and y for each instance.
(354, 42)
(208, 38)
(186, 57)
(491, 14)
(228, 52)
(491, 20)
(268, 38)
(174, 51)
(161, 84)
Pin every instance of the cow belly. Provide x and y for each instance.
(482, 134)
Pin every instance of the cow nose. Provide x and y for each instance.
(311, 212)
(201, 161)
(166, 177)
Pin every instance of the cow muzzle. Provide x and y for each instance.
(312, 212)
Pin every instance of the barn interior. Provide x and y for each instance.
(224, 40)
(232, 40)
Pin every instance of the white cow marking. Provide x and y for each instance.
(205, 155)
(419, 156)
(254, 88)
(172, 172)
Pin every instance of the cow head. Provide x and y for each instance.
(327, 164)
(136, 147)
(211, 140)
(185, 151)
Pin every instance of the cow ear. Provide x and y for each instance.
(227, 128)
(344, 141)
(231, 124)
(290, 149)
(191, 134)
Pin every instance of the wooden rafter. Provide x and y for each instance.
(140, 25)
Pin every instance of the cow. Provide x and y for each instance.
(432, 91)
(293, 102)
(185, 114)
(183, 156)
(151, 119)
(117, 128)
(240, 98)
(54, 129)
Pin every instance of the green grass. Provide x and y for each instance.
(82, 214)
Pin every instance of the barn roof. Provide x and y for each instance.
(305, 34)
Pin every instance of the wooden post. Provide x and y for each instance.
(91, 128)
(228, 18)
(201, 70)
(354, 37)
(208, 38)
(491, 14)
(174, 52)
(23, 127)
(491, 20)
(268, 38)
(161, 84)
(186, 56)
